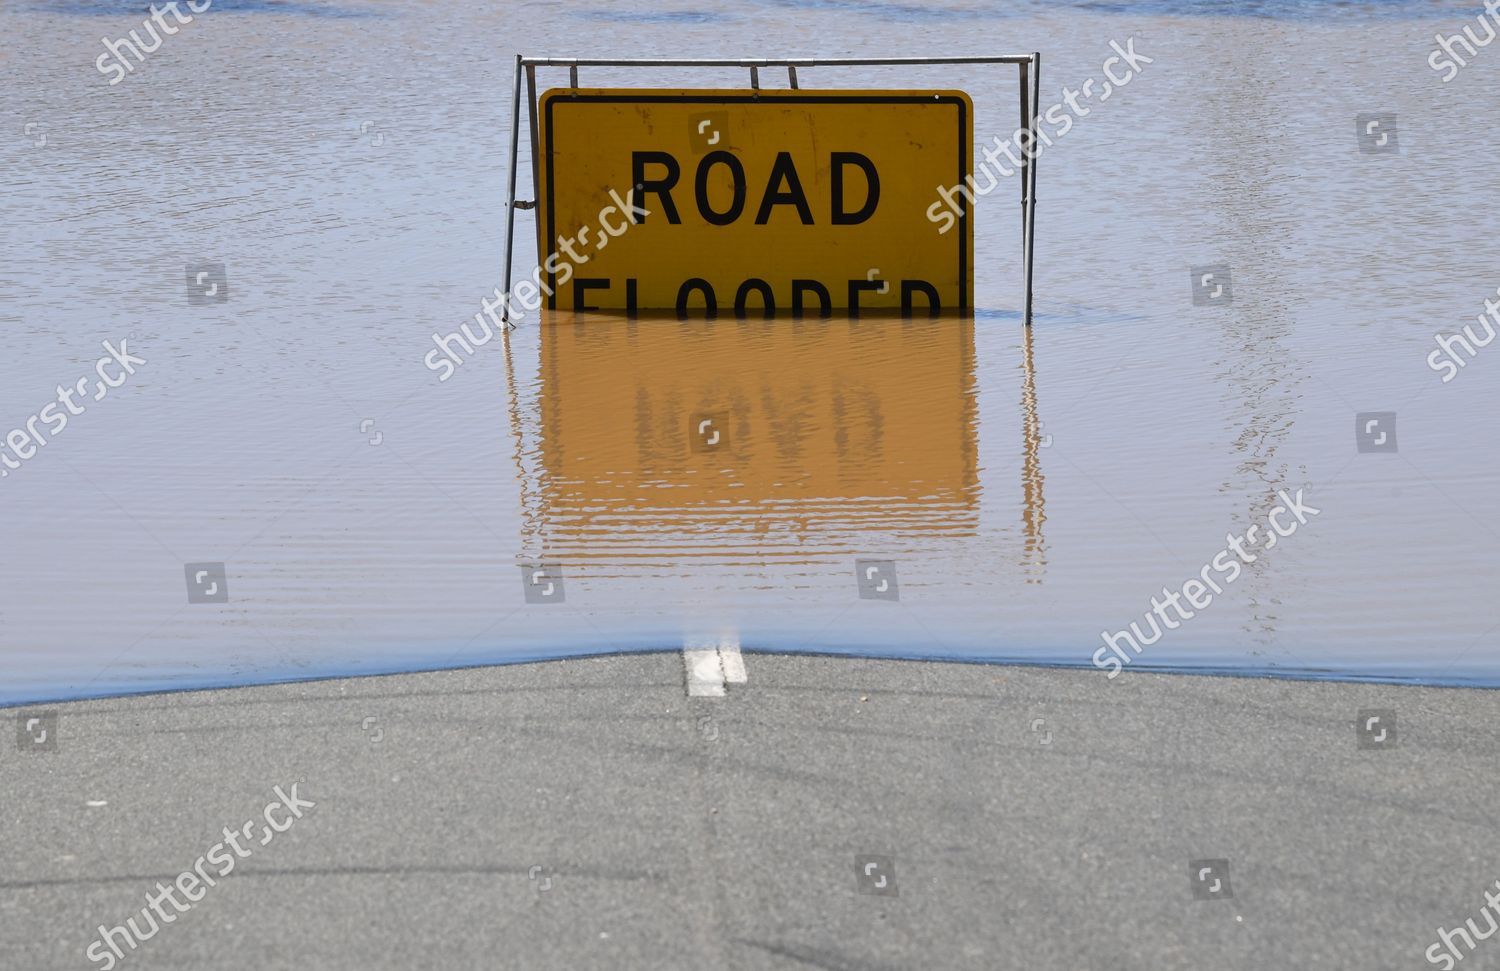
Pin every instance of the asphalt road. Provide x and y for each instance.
(589, 814)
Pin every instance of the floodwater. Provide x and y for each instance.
(346, 164)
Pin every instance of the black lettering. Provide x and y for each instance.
(581, 286)
(784, 171)
(909, 287)
(837, 161)
(855, 286)
(825, 301)
(710, 304)
(662, 187)
(767, 301)
(736, 173)
(630, 310)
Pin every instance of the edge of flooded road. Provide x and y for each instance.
(589, 813)
(1394, 676)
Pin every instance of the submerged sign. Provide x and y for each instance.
(761, 203)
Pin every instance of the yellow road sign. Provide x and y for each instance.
(757, 203)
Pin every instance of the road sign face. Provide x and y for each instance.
(794, 200)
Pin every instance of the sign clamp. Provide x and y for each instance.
(1030, 70)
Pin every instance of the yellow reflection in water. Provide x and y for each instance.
(753, 439)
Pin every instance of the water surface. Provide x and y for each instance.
(346, 163)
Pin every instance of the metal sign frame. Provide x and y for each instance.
(1030, 74)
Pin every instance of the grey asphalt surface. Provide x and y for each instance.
(680, 832)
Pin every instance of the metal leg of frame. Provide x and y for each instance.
(1025, 181)
(531, 115)
(510, 208)
(1029, 221)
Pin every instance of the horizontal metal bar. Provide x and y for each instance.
(767, 62)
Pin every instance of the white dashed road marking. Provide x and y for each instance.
(710, 666)
(732, 661)
(705, 675)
